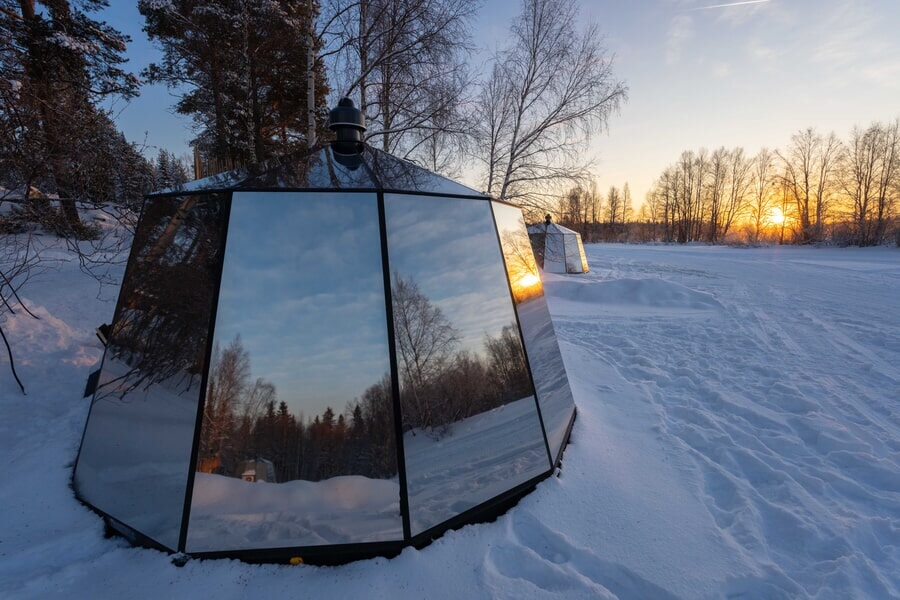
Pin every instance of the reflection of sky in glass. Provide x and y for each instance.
(449, 248)
(302, 285)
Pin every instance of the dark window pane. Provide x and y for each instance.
(297, 444)
(554, 395)
(134, 460)
(471, 428)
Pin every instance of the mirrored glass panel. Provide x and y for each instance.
(583, 256)
(135, 457)
(297, 443)
(397, 174)
(538, 243)
(547, 368)
(318, 168)
(555, 253)
(470, 422)
(321, 168)
(576, 261)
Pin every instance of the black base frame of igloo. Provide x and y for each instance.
(337, 554)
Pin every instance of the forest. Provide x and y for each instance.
(256, 79)
(818, 189)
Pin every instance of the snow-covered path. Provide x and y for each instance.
(738, 436)
(776, 374)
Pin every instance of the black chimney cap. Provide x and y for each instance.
(348, 124)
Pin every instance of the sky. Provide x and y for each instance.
(700, 73)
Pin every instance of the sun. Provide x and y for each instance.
(776, 217)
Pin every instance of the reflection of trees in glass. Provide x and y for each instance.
(506, 364)
(244, 422)
(229, 373)
(160, 331)
(439, 385)
(425, 342)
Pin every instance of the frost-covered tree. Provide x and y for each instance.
(241, 70)
(169, 170)
(56, 64)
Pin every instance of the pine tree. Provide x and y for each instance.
(169, 171)
(243, 63)
(56, 64)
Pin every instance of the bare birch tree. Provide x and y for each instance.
(405, 60)
(871, 180)
(810, 164)
(715, 191)
(740, 181)
(761, 199)
(547, 93)
(425, 342)
(228, 379)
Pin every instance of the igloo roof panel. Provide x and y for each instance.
(323, 169)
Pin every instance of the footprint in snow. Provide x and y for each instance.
(547, 560)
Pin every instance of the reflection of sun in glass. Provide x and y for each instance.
(520, 264)
(528, 280)
(526, 286)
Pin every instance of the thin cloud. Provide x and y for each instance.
(731, 4)
(681, 31)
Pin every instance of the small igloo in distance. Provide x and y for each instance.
(330, 356)
(557, 249)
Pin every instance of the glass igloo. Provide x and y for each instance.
(557, 249)
(329, 357)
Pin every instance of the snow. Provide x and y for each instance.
(738, 435)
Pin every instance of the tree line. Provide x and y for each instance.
(818, 189)
(244, 420)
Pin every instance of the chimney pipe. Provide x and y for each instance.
(348, 124)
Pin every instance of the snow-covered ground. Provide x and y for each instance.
(738, 436)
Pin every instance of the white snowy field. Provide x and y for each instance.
(738, 437)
